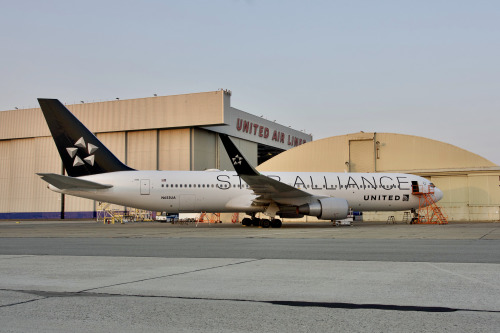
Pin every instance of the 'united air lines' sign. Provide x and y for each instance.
(264, 132)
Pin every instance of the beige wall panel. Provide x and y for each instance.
(175, 149)
(455, 189)
(75, 204)
(406, 152)
(22, 167)
(479, 189)
(22, 159)
(47, 157)
(484, 213)
(361, 156)
(249, 150)
(5, 157)
(484, 194)
(205, 149)
(5, 175)
(47, 160)
(455, 202)
(115, 142)
(141, 150)
(326, 155)
(23, 123)
(494, 189)
(20, 195)
(456, 213)
(5, 195)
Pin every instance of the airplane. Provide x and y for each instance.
(93, 172)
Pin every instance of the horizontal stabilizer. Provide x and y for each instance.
(71, 183)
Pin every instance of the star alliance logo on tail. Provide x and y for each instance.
(81, 144)
(237, 160)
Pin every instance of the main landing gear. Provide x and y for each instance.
(264, 223)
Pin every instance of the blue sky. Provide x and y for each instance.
(426, 68)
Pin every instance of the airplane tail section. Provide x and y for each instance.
(239, 161)
(81, 152)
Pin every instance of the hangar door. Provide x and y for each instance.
(361, 156)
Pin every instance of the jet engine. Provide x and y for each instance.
(326, 209)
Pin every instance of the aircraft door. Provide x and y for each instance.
(145, 186)
(414, 187)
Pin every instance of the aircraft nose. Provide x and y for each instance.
(438, 194)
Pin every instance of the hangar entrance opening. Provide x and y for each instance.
(266, 152)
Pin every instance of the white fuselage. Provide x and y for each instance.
(222, 191)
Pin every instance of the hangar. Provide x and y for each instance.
(470, 183)
(155, 133)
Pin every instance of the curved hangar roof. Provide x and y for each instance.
(377, 152)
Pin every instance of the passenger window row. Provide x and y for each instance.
(202, 185)
(247, 186)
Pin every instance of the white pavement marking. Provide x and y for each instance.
(477, 276)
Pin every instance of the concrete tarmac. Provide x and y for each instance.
(81, 276)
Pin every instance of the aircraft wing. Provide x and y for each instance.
(266, 188)
(71, 183)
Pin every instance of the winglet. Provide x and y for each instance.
(240, 163)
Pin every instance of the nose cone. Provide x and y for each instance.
(438, 194)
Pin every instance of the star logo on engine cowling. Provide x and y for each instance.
(90, 148)
(237, 160)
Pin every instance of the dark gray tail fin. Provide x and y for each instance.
(239, 161)
(81, 152)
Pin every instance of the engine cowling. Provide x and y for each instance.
(326, 209)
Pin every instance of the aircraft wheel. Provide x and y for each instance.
(276, 223)
(265, 223)
(246, 222)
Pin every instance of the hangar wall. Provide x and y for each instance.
(21, 187)
(470, 183)
(174, 149)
